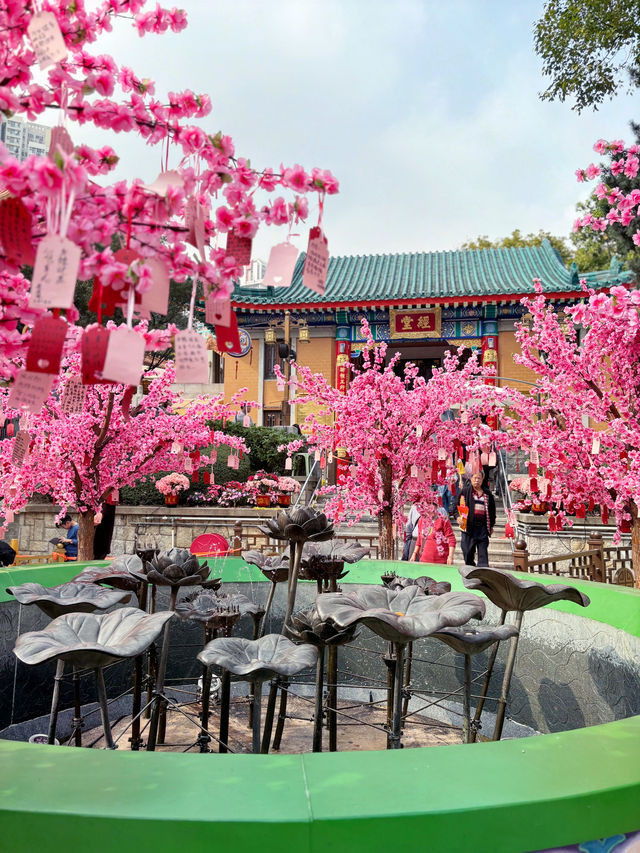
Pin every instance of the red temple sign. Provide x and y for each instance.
(415, 324)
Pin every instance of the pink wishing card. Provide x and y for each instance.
(55, 273)
(279, 383)
(240, 248)
(191, 357)
(188, 465)
(125, 355)
(46, 38)
(30, 390)
(419, 431)
(217, 311)
(15, 232)
(165, 181)
(281, 264)
(213, 455)
(60, 140)
(74, 396)
(156, 299)
(595, 447)
(45, 347)
(20, 447)
(228, 337)
(493, 459)
(246, 421)
(442, 454)
(414, 472)
(9, 516)
(233, 461)
(314, 274)
(288, 464)
(94, 349)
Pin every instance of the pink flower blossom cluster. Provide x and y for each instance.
(172, 484)
(624, 207)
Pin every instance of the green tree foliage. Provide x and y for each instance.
(589, 48)
(518, 240)
(263, 445)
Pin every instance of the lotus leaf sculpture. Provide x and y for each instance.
(399, 616)
(274, 567)
(91, 640)
(176, 567)
(511, 593)
(207, 607)
(71, 597)
(428, 585)
(123, 573)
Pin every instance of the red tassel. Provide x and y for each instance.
(533, 469)
(591, 504)
(552, 523)
(206, 477)
(604, 514)
(195, 477)
(625, 526)
(580, 510)
(533, 484)
(11, 431)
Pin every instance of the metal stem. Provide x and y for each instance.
(396, 728)
(282, 715)
(506, 681)
(268, 717)
(485, 686)
(104, 708)
(466, 701)
(225, 696)
(257, 708)
(159, 686)
(137, 704)
(293, 583)
(77, 709)
(252, 685)
(267, 610)
(55, 701)
(407, 680)
(203, 739)
(390, 663)
(332, 697)
(317, 717)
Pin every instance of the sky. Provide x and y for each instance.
(427, 112)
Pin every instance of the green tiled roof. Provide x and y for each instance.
(402, 279)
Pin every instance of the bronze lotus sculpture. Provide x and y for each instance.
(175, 568)
(510, 593)
(69, 597)
(275, 568)
(426, 584)
(256, 661)
(123, 573)
(323, 562)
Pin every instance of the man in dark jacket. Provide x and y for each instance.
(480, 520)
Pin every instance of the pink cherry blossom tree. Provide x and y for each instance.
(392, 430)
(83, 458)
(580, 420)
(170, 226)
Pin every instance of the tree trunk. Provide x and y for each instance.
(635, 543)
(86, 530)
(386, 536)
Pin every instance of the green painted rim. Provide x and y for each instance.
(516, 796)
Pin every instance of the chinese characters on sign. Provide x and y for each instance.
(240, 248)
(20, 447)
(46, 38)
(74, 395)
(425, 323)
(191, 361)
(55, 273)
(314, 274)
(30, 390)
(15, 232)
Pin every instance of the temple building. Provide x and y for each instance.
(421, 304)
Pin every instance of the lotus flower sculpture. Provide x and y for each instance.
(307, 627)
(301, 524)
(69, 597)
(469, 640)
(176, 567)
(256, 661)
(211, 609)
(400, 618)
(512, 594)
(89, 640)
(426, 584)
(324, 562)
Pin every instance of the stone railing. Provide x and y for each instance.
(605, 564)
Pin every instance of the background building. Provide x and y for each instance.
(24, 138)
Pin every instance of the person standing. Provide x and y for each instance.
(436, 540)
(481, 519)
(411, 532)
(70, 542)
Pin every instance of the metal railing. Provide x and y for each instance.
(502, 487)
(604, 564)
(308, 492)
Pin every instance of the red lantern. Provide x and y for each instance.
(625, 525)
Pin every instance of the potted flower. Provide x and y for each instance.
(530, 500)
(171, 486)
(263, 485)
(287, 486)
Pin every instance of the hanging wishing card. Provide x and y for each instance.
(330, 457)
(176, 448)
(156, 299)
(60, 141)
(316, 264)
(74, 396)
(316, 456)
(239, 248)
(217, 311)
(125, 356)
(45, 347)
(55, 273)
(9, 516)
(20, 447)
(534, 456)
(15, 232)
(188, 465)
(595, 447)
(279, 383)
(213, 455)
(323, 462)
(104, 299)
(580, 510)
(195, 477)
(532, 469)
(228, 337)
(380, 495)
(484, 458)
(94, 349)
(421, 478)
(165, 181)
(30, 390)
(246, 421)
(442, 454)
(191, 357)
(414, 472)
(46, 38)
(493, 460)
(604, 514)
(288, 464)
(280, 266)
(233, 461)
(419, 431)
(464, 417)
